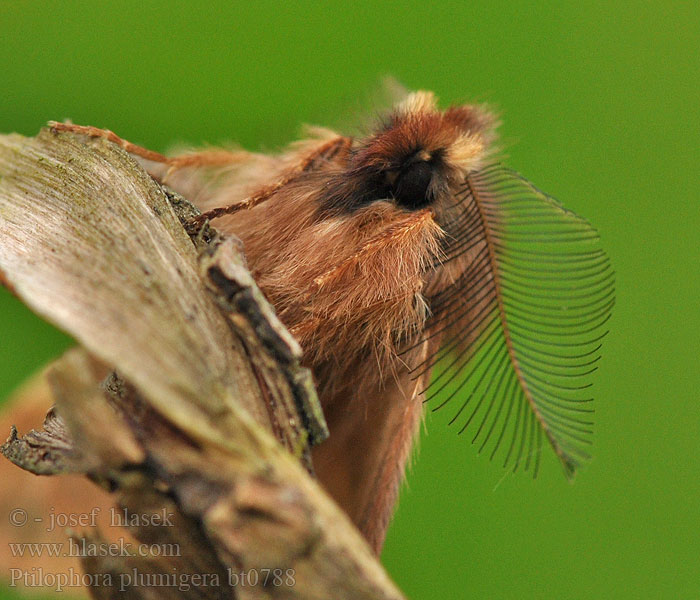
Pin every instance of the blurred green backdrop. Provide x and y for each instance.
(600, 107)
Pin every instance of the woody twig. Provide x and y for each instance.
(204, 413)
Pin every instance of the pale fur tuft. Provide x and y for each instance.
(418, 102)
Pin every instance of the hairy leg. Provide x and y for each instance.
(205, 158)
(324, 153)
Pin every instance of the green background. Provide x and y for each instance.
(600, 107)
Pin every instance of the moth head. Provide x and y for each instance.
(354, 271)
(347, 249)
(414, 158)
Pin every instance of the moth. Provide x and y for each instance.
(415, 269)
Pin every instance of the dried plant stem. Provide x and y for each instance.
(208, 377)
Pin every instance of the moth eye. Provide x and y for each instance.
(410, 184)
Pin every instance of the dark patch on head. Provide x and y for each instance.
(409, 182)
(412, 185)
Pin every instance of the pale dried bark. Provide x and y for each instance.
(200, 374)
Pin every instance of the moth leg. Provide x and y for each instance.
(324, 153)
(205, 158)
(112, 137)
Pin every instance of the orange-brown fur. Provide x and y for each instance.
(350, 278)
(351, 285)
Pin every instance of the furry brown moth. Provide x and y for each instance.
(414, 268)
